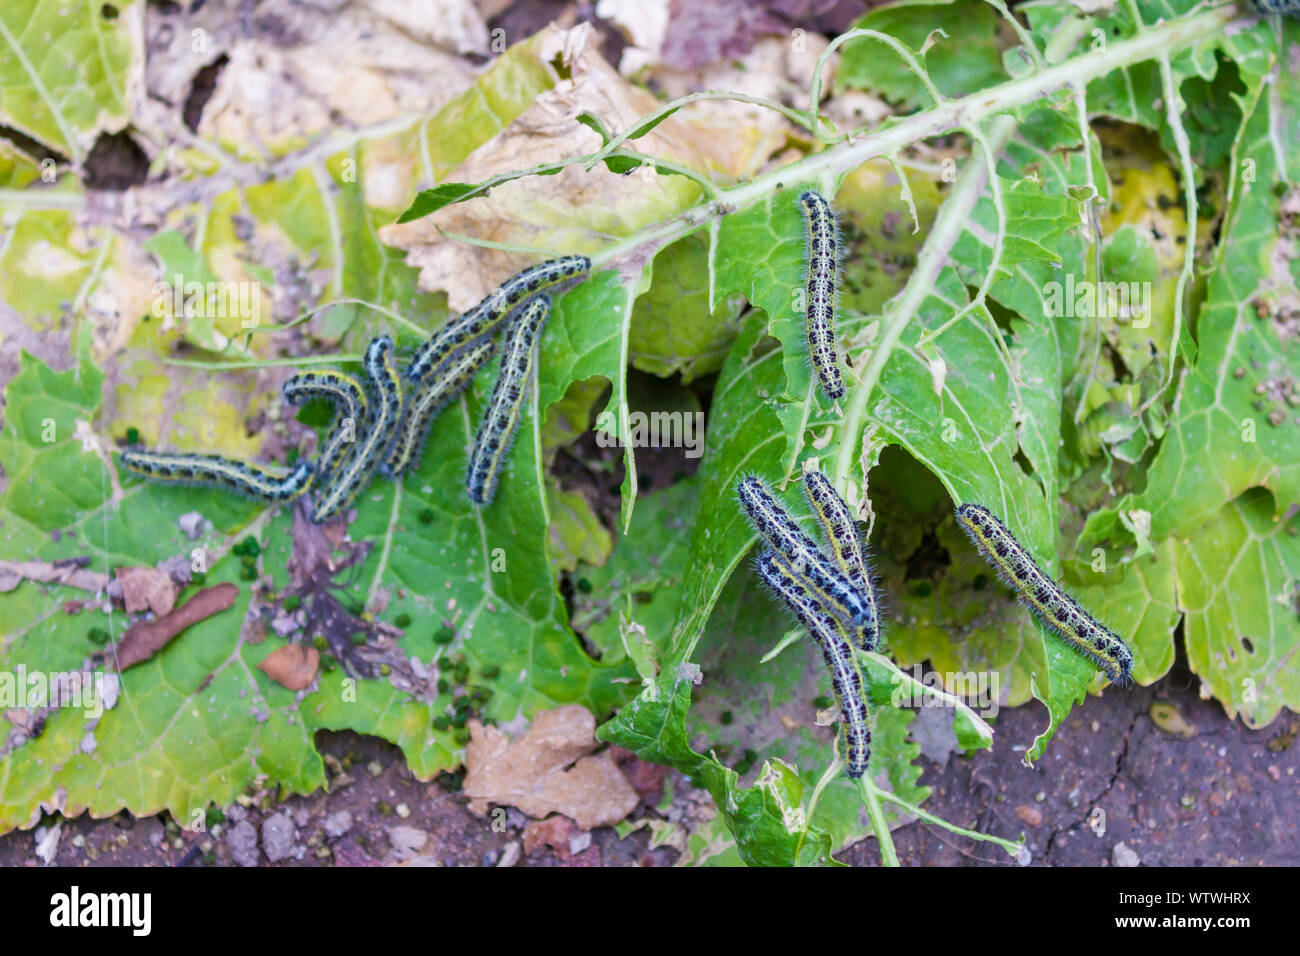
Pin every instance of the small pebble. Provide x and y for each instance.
(1122, 855)
(510, 855)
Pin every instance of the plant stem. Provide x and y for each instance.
(672, 106)
(1012, 848)
(1173, 115)
(1167, 38)
(870, 799)
(951, 700)
(909, 60)
(948, 225)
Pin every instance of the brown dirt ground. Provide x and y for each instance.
(1223, 796)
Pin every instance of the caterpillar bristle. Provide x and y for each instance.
(502, 306)
(1043, 597)
(347, 396)
(821, 281)
(214, 471)
(847, 548)
(836, 646)
(501, 416)
(831, 586)
(428, 397)
(357, 466)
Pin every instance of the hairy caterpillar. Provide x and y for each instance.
(217, 472)
(443, 383)
(359, 463)
(349, 401)
(837, 652)
(827, 582)
(823, 255)
(495, 309)
(501, 417)
(1043, 597)
(846, 547)
(1288, 8)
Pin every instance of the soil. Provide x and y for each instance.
(1215, 794)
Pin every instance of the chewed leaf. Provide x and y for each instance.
(64, 93)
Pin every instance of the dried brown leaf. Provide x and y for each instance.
(574, 211)
(292, 666)
(147, 589)
(144, 639)
(548, 770)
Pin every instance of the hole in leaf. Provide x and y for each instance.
(202, 87)
(116, 163)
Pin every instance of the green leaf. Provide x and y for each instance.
(1237, 582)
(429, 201)
(189, 715)
(673, 329)
(1223, 440)
(967, 59)
(767, 819)
(64, 70)
(576, 532)
(593, 123)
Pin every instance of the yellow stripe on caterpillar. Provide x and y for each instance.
(837, 651)
(213, 471)
(428, 397)
(349, 400)
(823, 264)
(343, 487)
(500, 306)
(1045, 599)
(846, 547)
(501, 417)
(821, 575)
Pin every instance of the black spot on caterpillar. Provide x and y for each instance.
(501, 417)
(213, 471)
(349, 400)
(837, 652)
(1057, 611)
(823, 259)
(827, 582)
(498, 307)
(846, 547)
(428, 397)
(361, 460)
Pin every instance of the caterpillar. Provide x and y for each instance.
(830, 585)
(499, 306)
(214, 471)
(823, 257)
(349, 401)
(1288, 8)
(837, 652)
(501, 417)
(1043, 597)
(359, 463)
(846, 547)
(443, 383)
